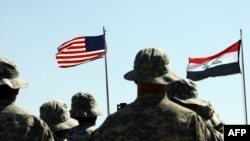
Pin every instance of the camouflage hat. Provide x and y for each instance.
(84, 105)
(151, 65)
(9, 74)
(56, 115)
(185, 92)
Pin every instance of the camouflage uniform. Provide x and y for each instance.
(15, 123)
(83, 105)
(18, 125)
(82, 132)
(153, 117)
(184, 91)
(57, 116)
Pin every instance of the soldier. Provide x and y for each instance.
(15, 123)
(84, 109)
(57, 116)
(184, 92)
(152, 116)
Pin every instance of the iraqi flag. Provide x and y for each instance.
(220, 64)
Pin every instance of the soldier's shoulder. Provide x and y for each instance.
(79, 133)
(12, 109)
(24, 127)
(38, 128)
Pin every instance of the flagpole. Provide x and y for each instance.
(106, 72)
(243, 78)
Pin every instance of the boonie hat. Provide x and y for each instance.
(184, 90)
(56, 115)
(84, 105)
(9, 74)
(151, 65)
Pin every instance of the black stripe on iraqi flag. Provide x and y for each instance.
(221, 70)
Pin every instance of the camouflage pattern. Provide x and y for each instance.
(18, 125)
(185, 91)
(82, 132)
(56, 115)
(151, 65)
(216, 123)
(182, 89)
(154, 118)
(9, 74)
(84, 105)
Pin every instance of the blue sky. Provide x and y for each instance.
(31, 31)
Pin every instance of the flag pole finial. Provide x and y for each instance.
(104, 30)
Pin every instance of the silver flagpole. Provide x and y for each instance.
(243, 79)
(106, 72)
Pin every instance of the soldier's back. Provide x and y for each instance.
(82, 132)
(153, 118)
(18, 125)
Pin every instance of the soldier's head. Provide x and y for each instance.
(151, 66)
(84, 106)
(55, 113)
(151, 71)
(184, 92)
(10, 82)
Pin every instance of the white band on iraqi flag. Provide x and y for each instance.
(222, 60)
(221, 64)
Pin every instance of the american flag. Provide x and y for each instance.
(80, 50)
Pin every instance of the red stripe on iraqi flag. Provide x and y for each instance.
(223, 63)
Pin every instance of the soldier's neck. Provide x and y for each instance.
(157, 89)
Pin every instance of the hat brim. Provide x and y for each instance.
(14, 83)
(68, 124)
(164, 79)
(195, 101)
(85, 113)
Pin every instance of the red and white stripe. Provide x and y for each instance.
(229, 55)
(73, 52)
